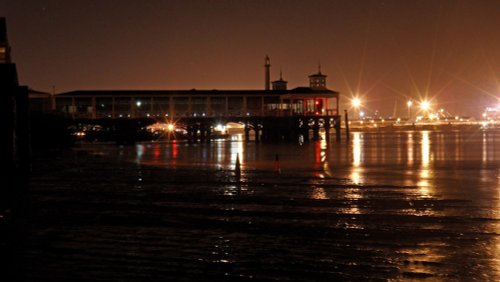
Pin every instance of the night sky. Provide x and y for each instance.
(384, 51)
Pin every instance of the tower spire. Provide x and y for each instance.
(317, 81)
(267, 67)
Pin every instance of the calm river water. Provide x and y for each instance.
(410, 205)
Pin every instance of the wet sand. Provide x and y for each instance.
(101, 218)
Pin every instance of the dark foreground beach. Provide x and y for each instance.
(105, 213)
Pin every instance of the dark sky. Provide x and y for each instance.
(383, 51)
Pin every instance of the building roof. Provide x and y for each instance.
(280, 80)
(192, 92)
(38, 94)
(319, 74)
(309, 90)
(308, 93)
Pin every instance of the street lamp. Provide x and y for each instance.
(356, 103)
(425, 106)
(409, 104)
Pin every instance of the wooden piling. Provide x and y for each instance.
(237, 168)
(277, 167)
(347, 125)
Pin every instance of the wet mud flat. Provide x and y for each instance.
(93, 218)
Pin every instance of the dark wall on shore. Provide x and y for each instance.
(14, 135)
(49, 131)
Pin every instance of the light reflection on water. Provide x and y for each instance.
(425, 172)
(426, 150)
(356, 175)
(356, 149)
(319, 193)
(438, 165)
(410, 152)
(424, 159)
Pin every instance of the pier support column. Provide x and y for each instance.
(305, 129)
(316, 129)
(326, 126)
(196, 128)
(257, 131)
(247, 132)
(202, 132)
(347, 125)
(208, 128)
(191, 133)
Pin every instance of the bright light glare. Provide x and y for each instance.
(425, 105)
(356, 102)
(221, 128)
(170, 127)
(409, 103)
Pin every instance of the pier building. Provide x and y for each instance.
(314, 105)
(315, 100)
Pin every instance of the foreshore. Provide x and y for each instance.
(99, 218)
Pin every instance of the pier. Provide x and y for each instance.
(203, 129)
(273, 114)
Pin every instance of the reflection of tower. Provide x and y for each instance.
(268, 76)
(317, 81)
(279, 84)
(4, 45)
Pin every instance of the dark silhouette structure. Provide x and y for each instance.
(14, 113)
(15, 156)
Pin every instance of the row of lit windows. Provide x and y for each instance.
(184, 102)
(126, 107)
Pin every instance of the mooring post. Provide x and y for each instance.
(347, 125)
(337, 129)
(237, 167)
(277, 167)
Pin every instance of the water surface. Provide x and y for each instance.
(382, 205)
